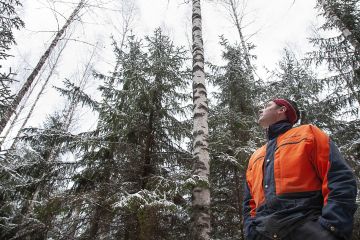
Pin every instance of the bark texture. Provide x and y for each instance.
(201, 192)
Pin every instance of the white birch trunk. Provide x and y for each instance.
(201, 192)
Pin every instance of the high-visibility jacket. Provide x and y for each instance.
(298, 176)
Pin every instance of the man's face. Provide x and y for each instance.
(270, 114)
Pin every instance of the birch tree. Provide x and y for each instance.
(201, 192)
(27, 84)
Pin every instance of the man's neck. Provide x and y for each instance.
(278, 128)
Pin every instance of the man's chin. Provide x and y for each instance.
(262, 123)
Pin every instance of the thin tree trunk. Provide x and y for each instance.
(75, 99)
(53, 67)
(239, 196)
(237, 23)
(346, 30)
(147, 169)
(22, 106)
(232, 7)
(7, 115)
(201, 169)
(102, 210)
(55, 150)
(126, 17)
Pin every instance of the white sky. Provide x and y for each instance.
(276, 24)
(271, 26)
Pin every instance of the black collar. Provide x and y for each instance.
(278, 128)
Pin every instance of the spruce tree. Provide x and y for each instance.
(132, 167)
(341, 54)
(33, 180)
(294, 80)
(234, 136)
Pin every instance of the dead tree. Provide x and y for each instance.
(20, 95)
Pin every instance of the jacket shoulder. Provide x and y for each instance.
(307, 129)
(260, 152)
(304, 128)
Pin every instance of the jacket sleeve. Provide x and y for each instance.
(338, 187)
(248, 209)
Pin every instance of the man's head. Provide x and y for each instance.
(277, 110)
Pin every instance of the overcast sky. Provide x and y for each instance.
(270, 25)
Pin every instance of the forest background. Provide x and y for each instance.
(96, 108)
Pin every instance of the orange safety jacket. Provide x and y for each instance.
(299, 175)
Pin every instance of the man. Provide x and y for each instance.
(298, 186)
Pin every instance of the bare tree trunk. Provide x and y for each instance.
(17, 114)
(75, 99)
(201, 169)
(53, 67)
(54, 151)
(237, 22)
(127, 17)
(232, 7)
(346, 30)
(239, 195)
(39, 65)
